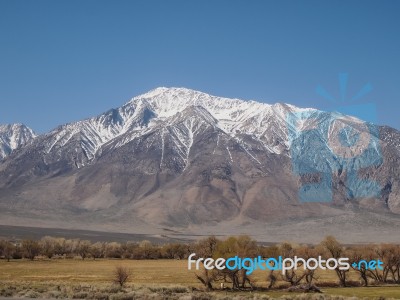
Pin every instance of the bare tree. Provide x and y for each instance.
(96, 250)
(267, 252)
(121, 275)
(336, 250)
(47, 245)
(6, 249)
(390, 256)
(242, 246)
(147, 250)
(30, 249)
(174, 250)
(292, 276)
(83, 249)
(206, 247)
(113, 250)
(271, 279)
(207, 278)
(308, 252)
(356, 254)
(60, 246)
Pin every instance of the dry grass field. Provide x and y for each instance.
(97, 271)
(74, 278)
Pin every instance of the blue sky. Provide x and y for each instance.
(62, 61)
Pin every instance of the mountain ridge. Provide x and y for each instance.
(179, 158)
(13, 136)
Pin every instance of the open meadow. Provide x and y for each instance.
(149, 279)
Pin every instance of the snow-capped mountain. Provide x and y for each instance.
(161, 106)
(158, 108)
(177, 157)
(13, 136)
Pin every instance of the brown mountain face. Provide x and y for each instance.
(182, 160)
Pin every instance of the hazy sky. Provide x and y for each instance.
(62, 61)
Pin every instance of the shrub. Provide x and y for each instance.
(121, 296)
(80, 295)
(121, 275)
(6, 292)
(31, 294)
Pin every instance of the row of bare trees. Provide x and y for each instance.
(50, 247)
(211, 247)
(244, 246)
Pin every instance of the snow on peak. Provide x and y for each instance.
(160, 106)
(13, 136)
(233, 115)
(167, 101)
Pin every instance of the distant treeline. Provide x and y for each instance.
(211, 247)
(52, 247)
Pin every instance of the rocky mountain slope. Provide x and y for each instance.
(184, 160)
(14, 136)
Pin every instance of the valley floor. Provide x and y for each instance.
(150, 279)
